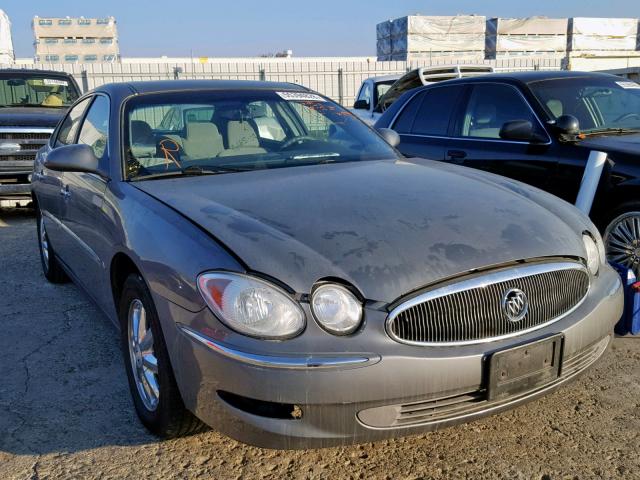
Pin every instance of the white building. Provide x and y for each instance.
(6, 44)
(75, 40)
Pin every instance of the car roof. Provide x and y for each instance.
(529, 77)
(33, 71)
(158, 86)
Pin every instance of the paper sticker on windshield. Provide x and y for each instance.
(301, 97)
(51, 81)
(628, 84)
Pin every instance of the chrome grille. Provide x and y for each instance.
(29, 140)
(471, 311)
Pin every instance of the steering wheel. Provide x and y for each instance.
(627, 116)
(294, 140)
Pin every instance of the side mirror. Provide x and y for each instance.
(72, 158)
(361, 105)
(390, 136)
(567, 125)
(521, 131)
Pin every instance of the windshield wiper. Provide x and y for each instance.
(610, 130)
(318, 157)
(191, 171)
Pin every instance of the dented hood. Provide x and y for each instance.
(387, 227)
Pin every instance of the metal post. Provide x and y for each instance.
(85, 81)
(590, 180)
(263, 75)
(340, 86)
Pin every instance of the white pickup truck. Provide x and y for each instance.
(377, 93)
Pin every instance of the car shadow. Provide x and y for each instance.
(63, 387)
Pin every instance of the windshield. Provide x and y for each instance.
(597, 103)
(218, 132)
(36, 90)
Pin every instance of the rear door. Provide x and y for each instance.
(476, 138)
(424, 122)
(51, 192)
(84, 218)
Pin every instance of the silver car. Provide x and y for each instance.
(309, 286)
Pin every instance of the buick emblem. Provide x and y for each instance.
(515, 304)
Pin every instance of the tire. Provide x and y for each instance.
(153, 386)
(51, 267)
(621, 235)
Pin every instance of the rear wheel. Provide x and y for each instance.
(622, 236)
(153, 386)
(50, 265)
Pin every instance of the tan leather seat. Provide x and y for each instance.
(242, 139)
(203, 140)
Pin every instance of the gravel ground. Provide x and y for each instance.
(65, 410)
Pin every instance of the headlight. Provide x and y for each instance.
(593, 254)
(251, 306)
(336, 309)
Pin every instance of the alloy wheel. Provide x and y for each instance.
(144, 362)
(44, 243)
(622, 241)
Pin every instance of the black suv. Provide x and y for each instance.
(539, 128)
(31, 103)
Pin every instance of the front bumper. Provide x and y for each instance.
(384, 391)
(10, 191)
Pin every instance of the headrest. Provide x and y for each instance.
(555, 107)
(141, 132)
(201, 129)
(241, 134)
(485, 113)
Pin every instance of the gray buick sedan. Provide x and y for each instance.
(279, 272)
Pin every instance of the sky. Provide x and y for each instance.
(217, 28)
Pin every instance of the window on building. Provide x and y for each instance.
(109, 58)
(44, 22)
(64, 21)
(90, 58)
(106, 41)
(103, 21)
(52, 58)
(70, 40)
(71, 58)
(88, 40)
(84, 21)
(50, 40)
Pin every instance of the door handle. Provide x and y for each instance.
(456, 155)
(64, 191)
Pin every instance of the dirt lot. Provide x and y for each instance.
(65, 410)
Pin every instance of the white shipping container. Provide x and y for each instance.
(531, 43)
(528, 26)
(602, 43)
(607, 27)
(438, 25)
(426, 43)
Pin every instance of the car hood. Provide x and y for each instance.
(387, 227)
(627, 144)
(30, 116)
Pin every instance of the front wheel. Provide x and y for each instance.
(622, 237)
(153, 386)
(51, 267)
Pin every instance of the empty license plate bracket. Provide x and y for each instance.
(524, 368)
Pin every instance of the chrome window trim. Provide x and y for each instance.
(483, 281)
(475, 139)
(289, 362)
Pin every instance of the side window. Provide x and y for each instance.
(95, 129)
(404, 122)
(69, 128)
(490, 107)
(365, 93)
(317, 124)
(435, 111)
